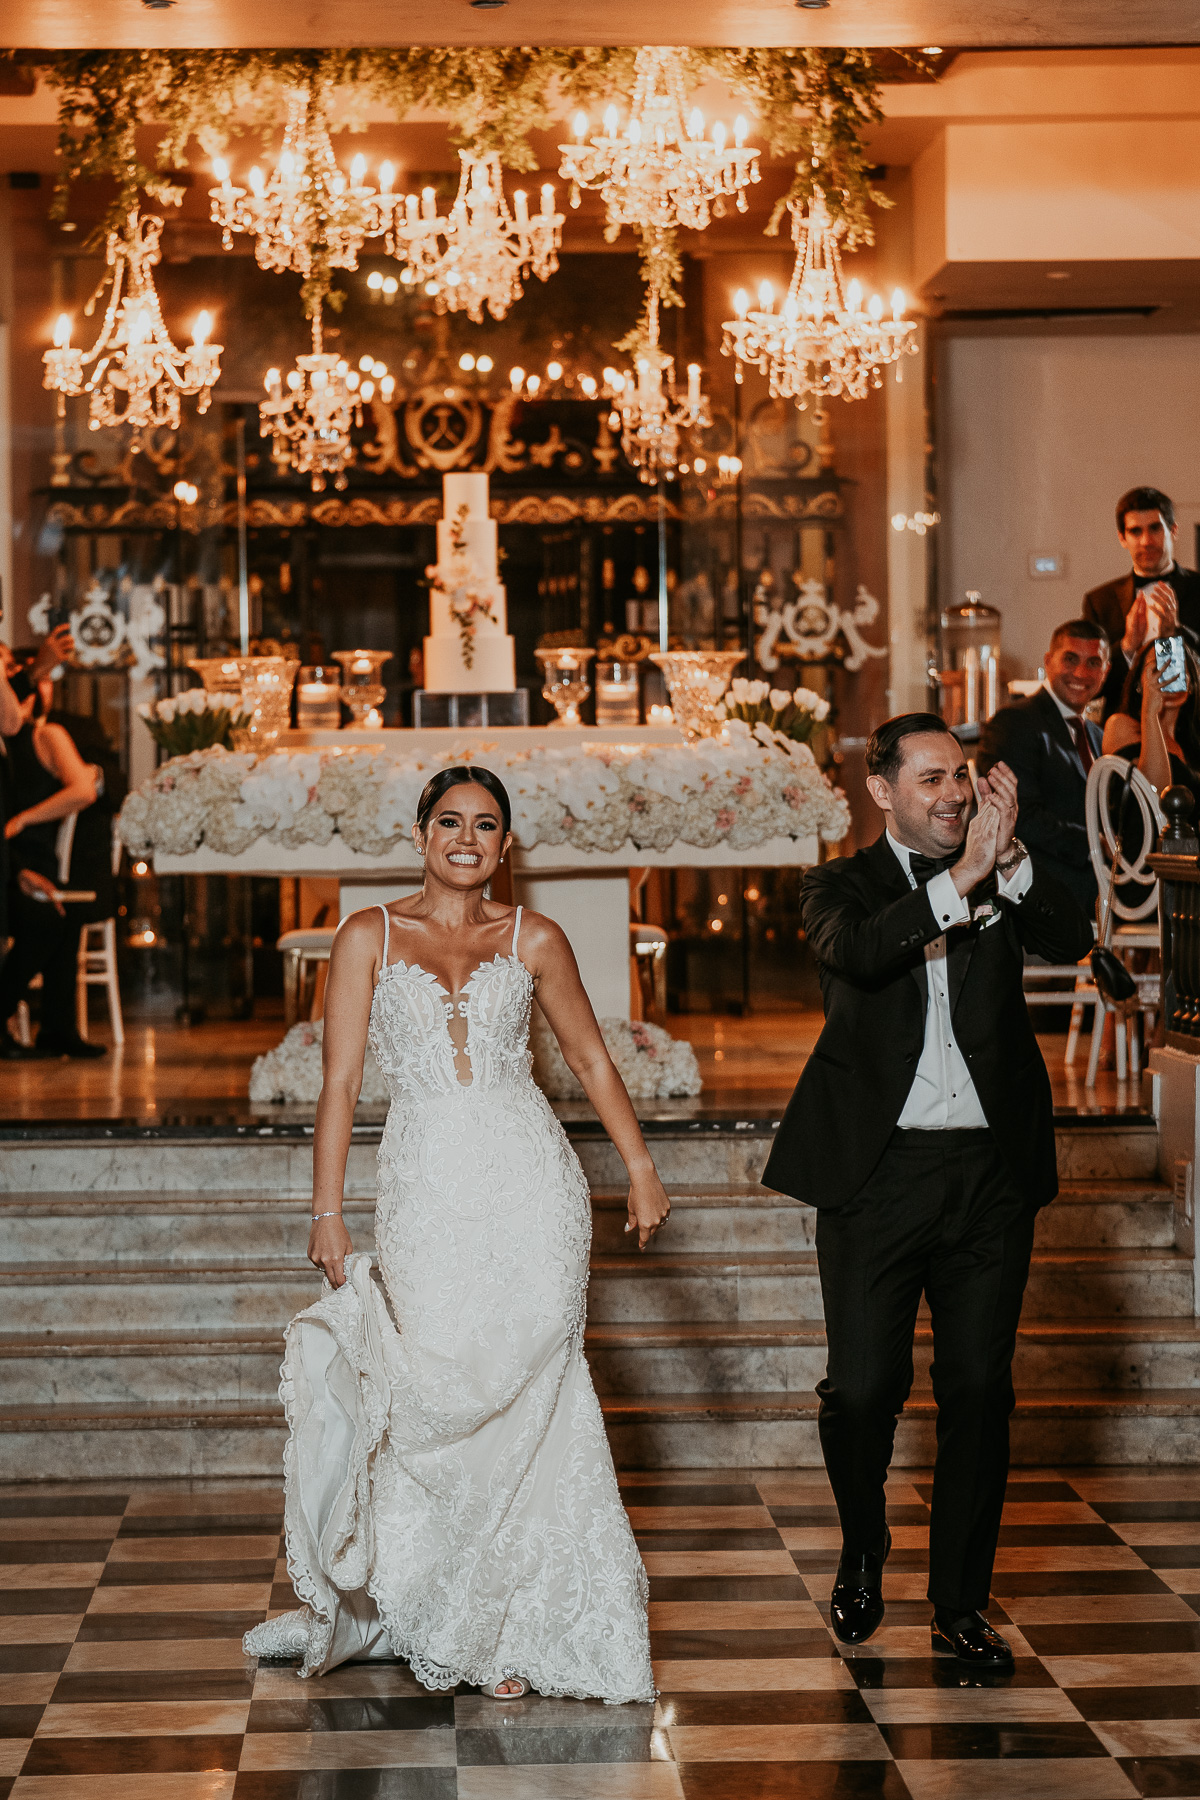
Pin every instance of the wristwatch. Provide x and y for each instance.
(1016, 855)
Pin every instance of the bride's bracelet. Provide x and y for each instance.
(329, 1215)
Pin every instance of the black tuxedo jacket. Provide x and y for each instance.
(1109, 604)
(868, 930)
(1032, 738)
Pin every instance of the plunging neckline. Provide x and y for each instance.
(452, 1000)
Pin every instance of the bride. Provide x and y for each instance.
(449, 1492)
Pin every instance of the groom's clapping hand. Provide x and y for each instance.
(990, 832)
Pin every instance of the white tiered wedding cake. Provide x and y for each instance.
(468, 650)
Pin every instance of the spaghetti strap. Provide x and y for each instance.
(516, 932)
(387, 930)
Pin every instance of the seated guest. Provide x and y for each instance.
(1050, 746)
(1155, 598)
(45, 780)
(1161, 732)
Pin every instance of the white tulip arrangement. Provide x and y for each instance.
(193, 720)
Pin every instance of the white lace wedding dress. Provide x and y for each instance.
(449, 1492)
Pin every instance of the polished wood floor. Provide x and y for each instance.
(122, 1607)
(168, 1069)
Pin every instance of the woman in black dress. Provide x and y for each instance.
(1160, 732)
(45, 780)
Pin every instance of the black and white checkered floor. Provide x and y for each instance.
(122, 1675)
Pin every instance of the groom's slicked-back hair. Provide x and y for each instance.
(885, 751)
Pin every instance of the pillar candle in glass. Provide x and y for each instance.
(319, 698)
(617, 693)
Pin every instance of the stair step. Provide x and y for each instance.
(100, 1160)
(1063, 1427)
(1085, 1283)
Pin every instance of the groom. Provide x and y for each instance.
(922, 1129)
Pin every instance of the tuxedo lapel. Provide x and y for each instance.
(887, 872)
(1062, 733)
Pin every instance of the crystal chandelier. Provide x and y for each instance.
(823, 341)
(651, 413)
(133, 375)
(307, 209)
(481, 252)
(660, 171)
(309, 414)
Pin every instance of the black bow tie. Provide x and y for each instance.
(924, 868)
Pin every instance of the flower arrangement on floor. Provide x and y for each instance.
(794, 715)
(652, 1064)
(742, 790)
(193, 720)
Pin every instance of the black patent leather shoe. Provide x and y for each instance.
(856, 1603)
(976, 1643)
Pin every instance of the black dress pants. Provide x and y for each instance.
(45, 943)
(940, 1216)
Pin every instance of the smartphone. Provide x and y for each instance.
(1172, 669)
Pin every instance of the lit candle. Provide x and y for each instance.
(547, 199)
(610, 121)
(358, 170)
(766, 295)
(719, 136)
(257, 184)
(410, 208)
(741, 303)
(428, 204)
(517, 378)
(661, 715)
(875, 307)
(62, 332)
(521, 206)
(271, 381)
(695, 123)
(581, 125)
(201, 329)
(693, 385)
(387, 174)
(740, 128)
(374, 720)
(221, 170)
(897, 302)
(854, 295)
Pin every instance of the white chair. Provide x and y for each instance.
(96, 957)
(1135, 919)
(303, 950)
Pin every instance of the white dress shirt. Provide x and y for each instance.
(942, 1096)
(1068, 712)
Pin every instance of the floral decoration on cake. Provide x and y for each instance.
(468, 598)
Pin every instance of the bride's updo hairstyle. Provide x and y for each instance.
(439, 785)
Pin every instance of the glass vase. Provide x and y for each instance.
(362, 685)
(565, 682)
(266, 683)
(697, 680)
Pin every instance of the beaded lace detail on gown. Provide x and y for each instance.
(449, 1491)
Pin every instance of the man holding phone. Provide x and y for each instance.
(1156, 598)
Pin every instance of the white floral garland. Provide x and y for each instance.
(652, 1064)
(741, 789)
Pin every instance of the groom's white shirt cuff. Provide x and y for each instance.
(952, 908)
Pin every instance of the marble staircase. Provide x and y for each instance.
(144, 1286)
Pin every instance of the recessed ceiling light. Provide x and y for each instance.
(1058, 274)
(487, 5)
(157, 5)
(68, 225)
(932, 50)
(811, 5)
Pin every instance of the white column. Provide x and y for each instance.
(593, 910)
(907, 688)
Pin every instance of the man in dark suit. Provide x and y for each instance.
(1155, 598)
(922, 1129)
(1049, 746)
